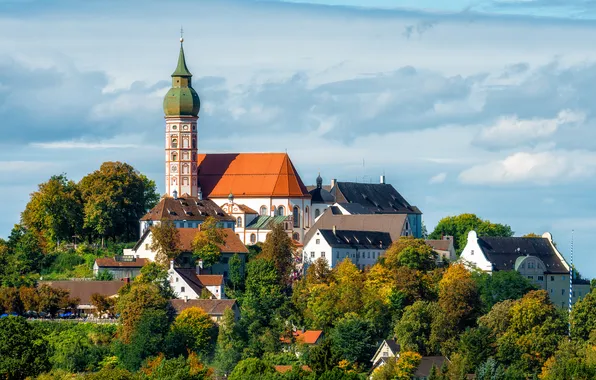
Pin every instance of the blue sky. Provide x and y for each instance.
(483, 107)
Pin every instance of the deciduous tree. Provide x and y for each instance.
(206, 244)
(194, 330)
(352, 339)
(278, 248)
(22, 352)
(411, 253)
(583, 317)
(165, 242)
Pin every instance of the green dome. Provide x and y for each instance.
(181, 101)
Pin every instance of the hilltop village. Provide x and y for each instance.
(240, 270)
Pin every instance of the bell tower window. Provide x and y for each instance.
(174, 156)
(174, 143)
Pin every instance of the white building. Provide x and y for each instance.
(536, 258)
(363, 248)
(189, 283)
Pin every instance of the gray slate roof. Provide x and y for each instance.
(378, 198)
(502, 252)
(357, 239)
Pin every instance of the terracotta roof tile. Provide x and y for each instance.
(211, 279)
(84, 289)
(309, 336)
(441, 245)
(232, 243)
(111, 262)
(212, 307)
(249, 175)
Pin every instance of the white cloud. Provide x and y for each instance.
(539, 168)
(25, 166)
(82, 145)
(439, 178)
(510, 131)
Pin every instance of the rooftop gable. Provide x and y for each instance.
(379, 198)
(187, 209)
(232, 243)
(209, 306)
(249, 175)
(357, 239)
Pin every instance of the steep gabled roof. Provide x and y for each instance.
(188, 208)
(249, 175)
(379, 198)
(426, 364)
(502, 252)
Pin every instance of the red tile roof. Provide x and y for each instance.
(249, 175)
(232, 243)
(210, 279)
(110, 262)
(306, 337)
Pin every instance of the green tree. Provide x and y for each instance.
(411, 253)
(165, 242)
(490, 370)
(79, 347)
(278, 248)
(459, 226)
(476, 345)
(55, 210)
(153, 273)
(500, 286)
(115, 197)
(20, 256)
(415, 326)
(193, 330)
(133, 302)
(10, 300)
(179, 368)
(251, 368)
(572, 360)
(352, 339)
(206, 244)
(228, 348)
(145, 340)
(458, 296)
(104, 275)
(320, 358)
(583, 317)
(236, 271)
(51, 300)
(22, 352)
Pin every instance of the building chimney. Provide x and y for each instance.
(200, 194)
(199, 267)
(185, 298)
(172, 264)
(175, 194)
(334, 231)
(333, 183)
(383, 179)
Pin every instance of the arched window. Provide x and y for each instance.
(317, 213)
(174, 143)
(174, 156)
(296, 216)
(306, 217)
(263, 210)
(239, 222)
(281, 211)
(295, 236)
(185, 143)
(185, 181)
(185, 169)
(174, 181)
(253, 238)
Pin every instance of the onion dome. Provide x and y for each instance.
(181, 99)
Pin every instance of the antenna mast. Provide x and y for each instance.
(571, 284)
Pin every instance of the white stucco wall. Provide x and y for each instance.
(472, 254)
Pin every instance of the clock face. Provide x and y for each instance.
(185, 127)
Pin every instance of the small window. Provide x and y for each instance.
(253, 238)
(281, 211)
(574, 293)
(263, 210)
(296, 236)
(182, 289)
(317, 213)
(563, 278)
(296, 217)
(239, 222)
(472, 252)
(552, 278)
(551, 290)
(174, 143)
(368, 255)
(306, 217)
(174, 157)
(318, 241)
(337, 255)
(312, 255)
(540, 278)
(146, 247)
(530, 277)
(562, 292)
(176, 279)
(323, 254)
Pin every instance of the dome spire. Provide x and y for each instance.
(181, 69)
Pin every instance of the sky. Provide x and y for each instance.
(466, 106)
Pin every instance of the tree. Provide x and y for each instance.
(165, 242)
(352, 339)
(278, 248)
(320, 358)
(193, 330)
(500, 286)
(22, 352)
(73, 350)
(532, 235)
(227, 351)
(236, 271)
(104, 275)
(28, 297)
(583, 317)
(458, 296)
(318, 272)
(103, 304)
(133, 302)
(406, 365)
(251, 368)
(206, 244)
(476, 345)
(115, 197)
(490, 370)
(20, 256)
(55, 210)
(415, 326)
(153, 273)
(572, 360)
(145, 340)
(459, 226)
(179, 368)
(10, 300)
(411, 253)
(50, 300)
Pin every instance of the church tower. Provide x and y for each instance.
(181, 108)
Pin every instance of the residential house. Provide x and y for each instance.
(83, 290)
(363, 248)
(394, 224)
(536, 258)
(185, 212)
(389, 349)
(214, 307)
(231, 246)
(444, 248)
(119, 266)
(189, 283)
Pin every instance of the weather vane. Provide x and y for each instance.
(181, 34)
